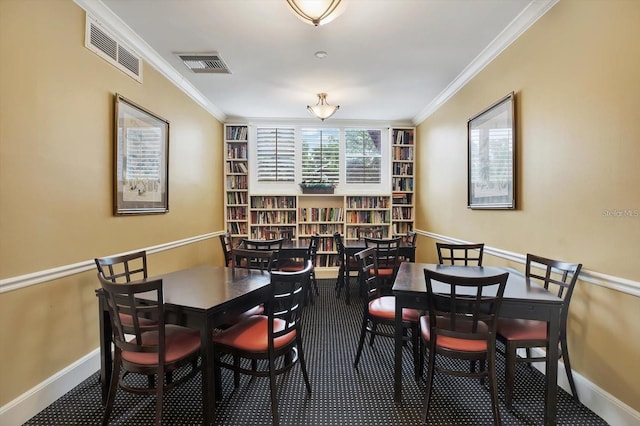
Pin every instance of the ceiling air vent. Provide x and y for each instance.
(204, 63)
(98, 40)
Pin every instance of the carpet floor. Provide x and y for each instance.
(341, 394)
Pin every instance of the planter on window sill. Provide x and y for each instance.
(317, 187)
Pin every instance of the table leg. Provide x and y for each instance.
(397, 377)
(208, 385)
(347, 280)
(551, 396)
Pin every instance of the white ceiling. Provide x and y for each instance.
(390, 60)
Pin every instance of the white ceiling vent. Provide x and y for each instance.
(204, 63)
(98, 40)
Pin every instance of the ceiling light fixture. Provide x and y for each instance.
(316, 12)
(322, 109)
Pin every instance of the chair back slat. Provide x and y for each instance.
(262, 260)
(460, 254)
(467, 308)
(143, 315)
(227, 245)
(287, 298)
(124, 268)
(368, 272)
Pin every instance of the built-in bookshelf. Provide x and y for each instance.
(236, 178)
(272, 213)
(402, 180)
(367, 216)
(258, 216)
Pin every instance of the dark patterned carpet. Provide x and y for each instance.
(341, 394)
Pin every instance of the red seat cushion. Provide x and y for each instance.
(520, 329)
(179, 343)
(292, 266)
(256, 310)
(468, 345)
(385, 307)
(252, 335)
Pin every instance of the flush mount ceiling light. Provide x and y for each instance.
(316, 12)
(322, 109)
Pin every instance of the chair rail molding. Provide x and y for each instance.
(611, 282)
(21, 281)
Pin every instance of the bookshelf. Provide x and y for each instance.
(364, 214)
(402, 180)
(236, 180)
(322, 215)
(272, 212)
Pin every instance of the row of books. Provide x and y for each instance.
(273, 217)
(405, 169)
(322, 229)
(237, 228)
(270, 202)
(236, 213)
(237, 151)
(368, 217)
(401, 213)
(403, 137)
(237, 182)
(322, 214)
(402, 198)
(401, 184)
(364, 202)
(402, 153)
(237, 133)
(237, 167)
(236, 198)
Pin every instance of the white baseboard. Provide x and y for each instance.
(605, 405)
(27, 405)
(30, 403)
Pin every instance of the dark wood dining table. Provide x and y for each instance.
(201, 298)
(522, 299)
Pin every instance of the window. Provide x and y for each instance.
(363, 156)
(321, 155)
(276, 154)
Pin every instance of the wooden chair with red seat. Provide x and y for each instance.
(345, 262)
(274, 245)
(460, 254)
(155, 348)
(461, 324)
(380, 309)
(295, 259)
(125, 269)
(388, 261)
(518, 333)
(227, 245)
(277, 334)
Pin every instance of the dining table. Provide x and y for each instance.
(522, 298)
(201, 297)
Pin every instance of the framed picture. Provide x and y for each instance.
(491, 153)
(141, 175)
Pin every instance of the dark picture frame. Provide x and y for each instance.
(141, 160)
(491, 155)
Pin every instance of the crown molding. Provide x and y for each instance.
(118, 27)
(534, 11)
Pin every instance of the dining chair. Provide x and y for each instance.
(152, 349)
(461, 324)
(411, 240)
(273, 245)
(388, 261)
(227, 244)
(460, 254)
(295, 259)
(380, 309)
(520, 333)
(345, 262)
(274, 335)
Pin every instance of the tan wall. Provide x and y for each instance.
(576, 74)
(56, 137)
